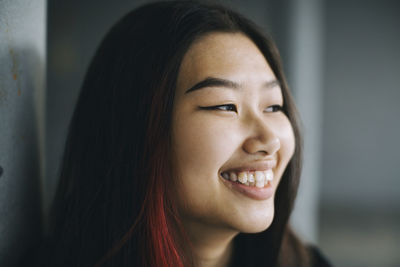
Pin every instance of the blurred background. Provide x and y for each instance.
(342, 61)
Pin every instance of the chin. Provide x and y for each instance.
(253, 224)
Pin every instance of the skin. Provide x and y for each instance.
(207, 141)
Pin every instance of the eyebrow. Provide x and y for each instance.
(218, 82)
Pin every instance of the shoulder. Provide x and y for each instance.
(317, 258)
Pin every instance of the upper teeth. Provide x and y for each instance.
(257, 178)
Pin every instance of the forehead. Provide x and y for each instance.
(225, 55)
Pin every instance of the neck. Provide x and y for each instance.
(212, 246)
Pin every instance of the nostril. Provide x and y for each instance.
(1, 171)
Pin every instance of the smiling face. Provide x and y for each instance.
(231, 142)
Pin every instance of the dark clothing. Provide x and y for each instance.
(246, 255)
(243, 256)
(318, 260)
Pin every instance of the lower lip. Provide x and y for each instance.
(251, 191)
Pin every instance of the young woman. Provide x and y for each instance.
(183, 150)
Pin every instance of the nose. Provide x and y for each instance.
(262, 138)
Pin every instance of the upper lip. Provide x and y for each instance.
(253, 166)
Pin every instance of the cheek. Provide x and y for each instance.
(287, 139)
(201, 147)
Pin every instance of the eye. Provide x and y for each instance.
(274, 108)
(227, 107)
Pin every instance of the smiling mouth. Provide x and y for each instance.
(258, 179)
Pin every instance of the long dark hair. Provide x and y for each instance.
(113, 206)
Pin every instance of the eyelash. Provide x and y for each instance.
(276, 108)
(232, 107)
(226, 107)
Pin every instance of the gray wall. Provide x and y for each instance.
(22, 73)
(360, 178)
(361, 128)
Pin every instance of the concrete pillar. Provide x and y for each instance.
(305, 52)
(22, 89)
